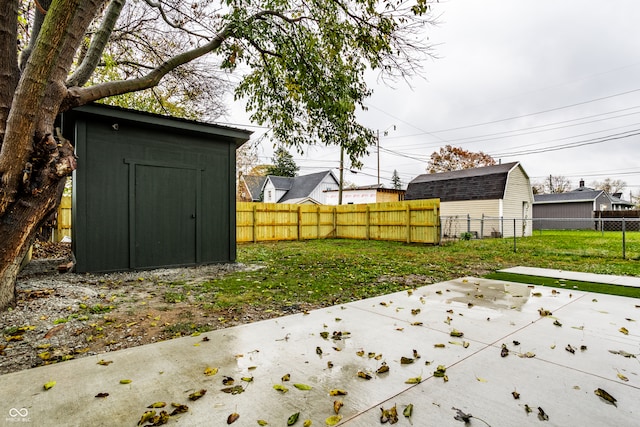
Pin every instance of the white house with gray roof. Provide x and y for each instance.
(304, 189)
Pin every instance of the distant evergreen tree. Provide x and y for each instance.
(283, 164)
(396, 184)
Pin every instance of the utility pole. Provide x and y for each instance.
(378, 149)
(341, 174)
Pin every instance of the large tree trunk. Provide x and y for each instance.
(18, 228)
(34, 165)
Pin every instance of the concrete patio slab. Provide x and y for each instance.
(326, 349)
(575, 275)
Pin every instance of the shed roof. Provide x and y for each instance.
(483, 183)
(576, 196)
(238, 136)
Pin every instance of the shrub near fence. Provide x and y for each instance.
(414, 221)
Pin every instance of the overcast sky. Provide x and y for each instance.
(518, 80)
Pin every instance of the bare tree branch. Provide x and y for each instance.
(80, 96)
(98, 43)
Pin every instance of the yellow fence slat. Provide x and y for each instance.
(415, 221)
(406, 221)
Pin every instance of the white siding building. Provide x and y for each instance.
(490, 201)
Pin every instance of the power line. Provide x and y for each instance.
(570, 145)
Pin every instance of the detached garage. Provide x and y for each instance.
(487, 201)
(151, 191)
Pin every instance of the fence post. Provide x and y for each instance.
(335, 223)
(482, 226)
(299, 222)
(254, 221)
(514, 235)
(624, 246)
(368, 222)
(318, 222)
(408, 224)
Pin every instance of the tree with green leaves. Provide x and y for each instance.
(396, 184)
(283, 164)
(300, 67)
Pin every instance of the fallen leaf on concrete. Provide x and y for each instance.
(232, 418)
(605, 396)
(197, 394)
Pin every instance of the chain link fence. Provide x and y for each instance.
(590, 231)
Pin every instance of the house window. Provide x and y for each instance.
(269, 195)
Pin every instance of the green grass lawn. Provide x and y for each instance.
(328, 272)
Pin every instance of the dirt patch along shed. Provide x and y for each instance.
(151, 191)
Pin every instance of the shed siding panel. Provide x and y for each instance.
(568, 211)
(517, 202)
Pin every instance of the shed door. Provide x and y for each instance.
(164, 216)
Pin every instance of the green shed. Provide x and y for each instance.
(151, 191)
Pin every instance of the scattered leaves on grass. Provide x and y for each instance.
(337, 404)
(333, 420)
(232, 418)
(293, 419)
(197, 394)
(605, 396)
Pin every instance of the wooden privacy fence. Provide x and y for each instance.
(416, 221)
(63, 220)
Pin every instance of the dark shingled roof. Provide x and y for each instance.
(300, 186)
(254, 184)
(483, 183)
